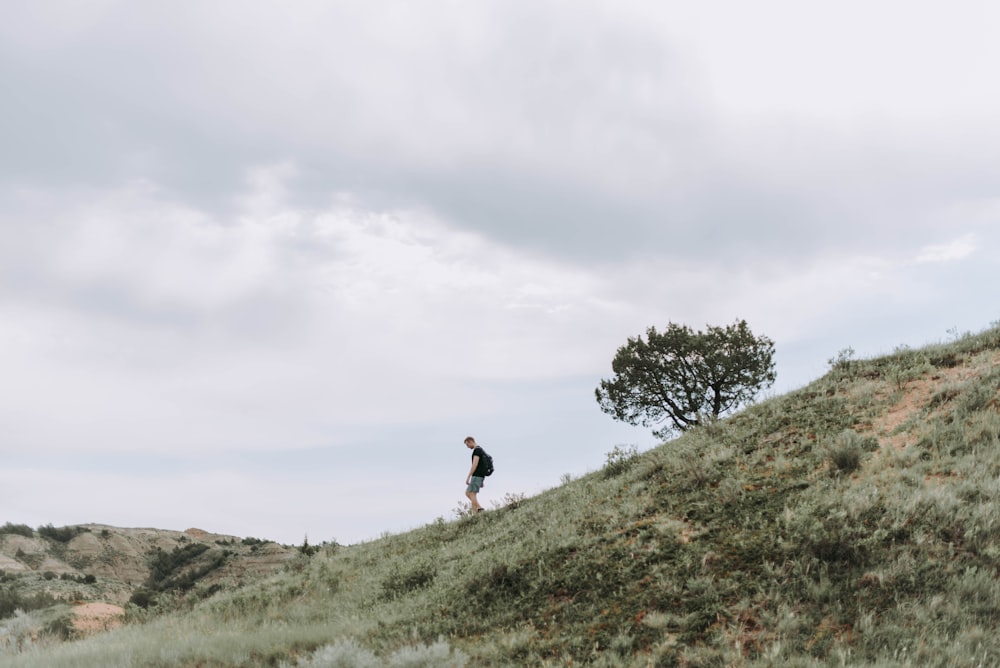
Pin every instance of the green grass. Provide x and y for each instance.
(851, 522)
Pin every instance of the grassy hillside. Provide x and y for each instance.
(852, 522)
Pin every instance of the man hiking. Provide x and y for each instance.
(477, 474)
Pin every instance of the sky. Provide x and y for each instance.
(264, 266)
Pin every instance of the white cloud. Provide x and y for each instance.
(160, 327)
(958, 249)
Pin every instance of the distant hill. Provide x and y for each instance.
(49, 567)
(851, 522)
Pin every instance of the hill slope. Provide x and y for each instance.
(852, 522)
(47, 569)
(122, 558)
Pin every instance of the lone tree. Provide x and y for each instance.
(677, 377)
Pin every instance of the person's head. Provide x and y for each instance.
(470, 442)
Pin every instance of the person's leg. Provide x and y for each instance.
(473, 500)
(474, 486)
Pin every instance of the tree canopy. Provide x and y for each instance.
(672, 380)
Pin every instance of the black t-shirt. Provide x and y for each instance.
(481, 466)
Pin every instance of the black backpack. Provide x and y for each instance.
(488, 463)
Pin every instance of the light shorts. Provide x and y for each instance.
(475, 484)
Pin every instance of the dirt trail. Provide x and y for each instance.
(917, 395)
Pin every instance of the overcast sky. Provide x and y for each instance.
(264, 265)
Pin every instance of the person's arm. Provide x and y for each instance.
(475, 464)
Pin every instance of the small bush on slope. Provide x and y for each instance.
(17, 529)
(349, 654)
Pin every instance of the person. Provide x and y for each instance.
(474, 481)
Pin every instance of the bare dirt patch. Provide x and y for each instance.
(95, 617)
(917, 395)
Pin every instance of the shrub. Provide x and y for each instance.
(977, 398)
(11, 601)
(18, 529)
(16, 635)
(437, 655)
(350, 654)
(35, 559)
(842, 362)
(619, 460)
(462, 511)
(61, 534)
(182, 567)
(944, 395)
(510, 500)
(847, 451)
(341, 654)
(400, 582)
(61, 627)
(306, 549)
(143, 598)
